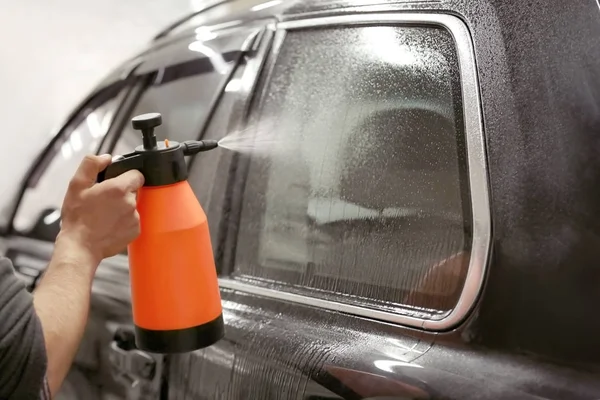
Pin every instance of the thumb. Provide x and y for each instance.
(90, 167)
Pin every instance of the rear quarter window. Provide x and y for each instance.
(360, 191)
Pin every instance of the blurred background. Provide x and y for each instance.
(53, 53)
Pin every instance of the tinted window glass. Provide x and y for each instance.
(360, 192)
(42, 200)
(183, 95)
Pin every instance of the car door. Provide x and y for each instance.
(184, 81)
(529, 82)
(343, 219)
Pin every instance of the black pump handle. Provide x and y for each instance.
(126, 163)
(146, 123)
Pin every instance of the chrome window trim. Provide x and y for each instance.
(478, 177)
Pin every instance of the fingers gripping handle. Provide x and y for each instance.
(120, 165)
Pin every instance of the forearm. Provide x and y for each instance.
(98, 221)
(62, 302)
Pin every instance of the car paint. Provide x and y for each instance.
(533, 333)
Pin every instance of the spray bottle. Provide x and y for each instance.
(175, 293)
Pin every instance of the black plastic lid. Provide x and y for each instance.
(161, 163)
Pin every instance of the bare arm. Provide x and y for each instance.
(62, 302)
(98, 221)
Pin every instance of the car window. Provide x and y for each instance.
(359, 191)
(183, 94)
(39, 210)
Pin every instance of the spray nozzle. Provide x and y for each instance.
(191, 147)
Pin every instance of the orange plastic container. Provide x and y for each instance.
(173, 276)
(175, 292)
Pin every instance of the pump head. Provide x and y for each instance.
(146, 123)
(161, 162)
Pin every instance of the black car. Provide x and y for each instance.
(409, 207)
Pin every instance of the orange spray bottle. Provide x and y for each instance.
(175, 293)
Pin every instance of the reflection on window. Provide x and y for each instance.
(363, 193)
(183, 102)
(41, 203)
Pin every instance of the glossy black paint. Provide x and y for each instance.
(541, 116)
(535, 333)
(274, 350)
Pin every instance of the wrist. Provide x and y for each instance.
(71, 249)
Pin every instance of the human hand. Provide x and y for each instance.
(100, 218)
